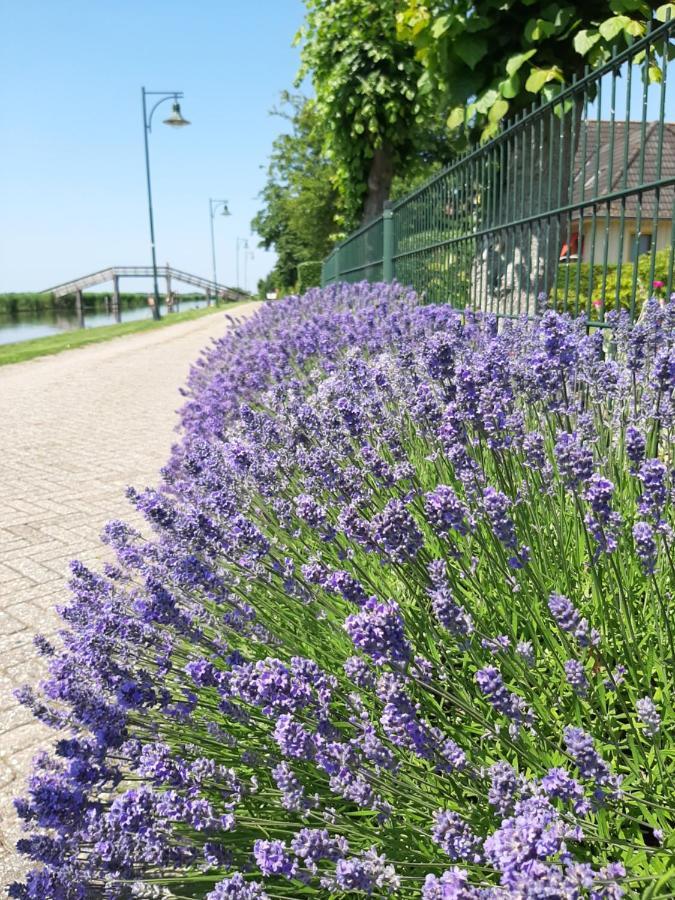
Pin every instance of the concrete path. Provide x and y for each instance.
(75, 430)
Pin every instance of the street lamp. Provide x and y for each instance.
(241, 242)
(248, 254)
(175, 120)
(214, 205)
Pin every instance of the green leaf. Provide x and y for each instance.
(486, 100)
(633, 28)
(661, 13)
(510, 86)
(498, 110)
(490, 131)
(655, 74)
(539, 77)
(610, 29)
(440, 26)
(471, 50)
(538, 30)
(456, 118)
(515, 62)
(584, 40)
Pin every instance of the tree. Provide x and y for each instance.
(377, 121)
(491, 59)
(301, 207)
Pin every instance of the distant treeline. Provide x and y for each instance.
(36, 302)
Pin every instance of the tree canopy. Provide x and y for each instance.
(376, 120)
(490, 58)
(300, 217)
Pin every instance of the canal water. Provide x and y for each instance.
(29, 324)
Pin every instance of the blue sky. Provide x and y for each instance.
(72, 179)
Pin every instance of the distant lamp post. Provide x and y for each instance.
(241, 242)
(214, 206)
(248, 254)
(175, 120)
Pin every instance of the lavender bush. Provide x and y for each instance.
(404, 627)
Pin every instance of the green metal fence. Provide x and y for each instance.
(575, 199)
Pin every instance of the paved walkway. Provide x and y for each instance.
(75, 430)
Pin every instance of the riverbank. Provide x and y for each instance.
(69, 340)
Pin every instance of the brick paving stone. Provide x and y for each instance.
(77, 428)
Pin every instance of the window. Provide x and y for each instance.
(641, 244)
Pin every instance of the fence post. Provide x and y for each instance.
(336, 277)
(387, 242)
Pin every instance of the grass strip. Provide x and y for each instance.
(69, 340)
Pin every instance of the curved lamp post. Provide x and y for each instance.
(214, 206)
(176, 120)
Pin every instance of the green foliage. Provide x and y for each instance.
(300, 217)
(309, 275)
(80, 337)
(370, 94)
(607, 288)
(492, 59)
(12, 304)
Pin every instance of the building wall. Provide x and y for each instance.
(663, 239)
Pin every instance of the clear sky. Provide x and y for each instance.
(72, 172)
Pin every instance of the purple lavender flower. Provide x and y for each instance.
(649, 716)
(558, 785)
(535, 832)
(378, 631)
(574, 461)
(635, 447)
(311, 512)
(367, 872)
(652, 474)
(292, 792)
(568, 620)
(645, 546)
(576, 677)
(497, 506)
(358, 670)
(273, 858)
(587, 759)
(237, 888)
(505, 787)
(451, 885)
(445, 511)
(396, 532)
(293, 738)
(525, 651)
(492, 685)
(311, 845)
(455, 837)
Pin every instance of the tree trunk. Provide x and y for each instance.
(379, 182)
(514, 263)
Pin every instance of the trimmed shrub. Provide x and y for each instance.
(309, 276)
(403, 628)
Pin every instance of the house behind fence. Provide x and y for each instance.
(575, 200)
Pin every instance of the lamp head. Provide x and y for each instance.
(176, 119)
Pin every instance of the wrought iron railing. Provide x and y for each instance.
(574, 200)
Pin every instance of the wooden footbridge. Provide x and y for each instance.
(114, 273)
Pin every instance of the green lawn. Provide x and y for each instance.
(68, 340)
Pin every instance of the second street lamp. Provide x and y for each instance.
(241, 242)
(175, 120)
(214, 205)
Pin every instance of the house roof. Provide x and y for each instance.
(622, 152)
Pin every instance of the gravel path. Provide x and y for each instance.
(75, 430)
